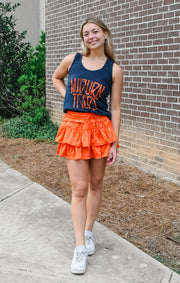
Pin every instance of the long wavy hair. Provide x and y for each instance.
(108, 45)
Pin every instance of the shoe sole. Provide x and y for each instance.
(75, 271)
(91, 252)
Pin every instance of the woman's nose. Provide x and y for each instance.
(91, 35)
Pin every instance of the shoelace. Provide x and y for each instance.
(89, 239)
(79, 255)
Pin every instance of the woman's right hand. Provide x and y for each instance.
(112, 154)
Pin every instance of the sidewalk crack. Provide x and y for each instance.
(170, 278)
(40, 274)
(16, 192)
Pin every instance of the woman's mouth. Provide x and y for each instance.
(93, 42)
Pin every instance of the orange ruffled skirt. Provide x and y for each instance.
(85, 136)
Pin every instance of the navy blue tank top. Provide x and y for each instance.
(87, 91)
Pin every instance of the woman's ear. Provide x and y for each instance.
(106, 34)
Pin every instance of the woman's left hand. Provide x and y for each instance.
(112, 154)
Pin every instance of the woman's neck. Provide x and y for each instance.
(97, 54)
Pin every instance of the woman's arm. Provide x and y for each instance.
(115, 109)
(61, 72)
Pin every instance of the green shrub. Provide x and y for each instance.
(21, 127)
(2, 120)
(31, 97)
(13, 55)
(33, 122)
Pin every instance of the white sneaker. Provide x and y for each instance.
(79, 262)
(90, 243)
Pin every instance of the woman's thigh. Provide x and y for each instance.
(79, 174)
(97, 170)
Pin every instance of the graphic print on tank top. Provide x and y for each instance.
(87, 91)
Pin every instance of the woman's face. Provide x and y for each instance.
(93, 36)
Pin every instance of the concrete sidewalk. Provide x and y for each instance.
(37, 241)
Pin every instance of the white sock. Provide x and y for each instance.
(80, 248)
(88, 232)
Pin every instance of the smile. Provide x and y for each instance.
(94, 41)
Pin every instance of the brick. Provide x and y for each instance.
(173, 34)
(177, 54)
(169, 15)
(168, 2)
(157, 42)
(156, 80)
(174, 47)
(175, 7)
(154, 116)
(168, 41)
(177, 13)
(164, 117)
(174, 21)
(168, 54)
(175, 93)
(157, 17)
(175, 119)
(176, 67)
(176, 106)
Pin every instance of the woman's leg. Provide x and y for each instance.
(79, 176)
(97, 169)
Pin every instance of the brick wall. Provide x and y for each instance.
(146, 35)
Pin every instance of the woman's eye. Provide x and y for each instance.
(95, 31)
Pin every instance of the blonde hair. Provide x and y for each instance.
(108, 45)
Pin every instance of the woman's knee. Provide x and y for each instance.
(96, 183)
(79, 190)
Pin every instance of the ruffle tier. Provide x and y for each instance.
(85, 136)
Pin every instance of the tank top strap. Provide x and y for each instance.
(77, 58)
(109, 64)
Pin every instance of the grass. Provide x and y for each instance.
(168, 263)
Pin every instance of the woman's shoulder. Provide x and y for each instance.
(70, 58)
(117, 70)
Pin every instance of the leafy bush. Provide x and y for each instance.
(2, 120)
(13, 56)
(31, 98)
(21, 127)
(33, 122)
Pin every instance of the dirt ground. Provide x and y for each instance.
(137, 206)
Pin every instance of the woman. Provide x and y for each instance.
(88, 135)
